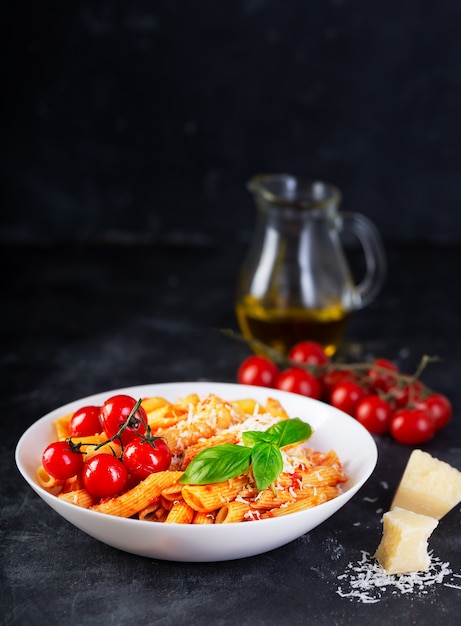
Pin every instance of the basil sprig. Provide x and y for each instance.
(261, 452)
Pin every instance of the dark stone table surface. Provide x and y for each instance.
(78, 320)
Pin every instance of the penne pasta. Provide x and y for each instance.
(232, 512)
(180, 513)
(275, 408)
(170, 494)
(267, 499)
(248, 406)
(150, 512)
(165, 417)
(297, 505)
(154, 403)
(140, 496)
(204, 518)
(80, 497)
(48, 482)
(206, 498)
(323, 475)
(62, 426)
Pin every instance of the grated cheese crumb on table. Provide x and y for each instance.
(367, 582)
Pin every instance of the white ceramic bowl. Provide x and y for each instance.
(333, 429)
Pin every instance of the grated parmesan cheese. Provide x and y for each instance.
(292, 492)
(366, 581)
(258, 422)
(252, 515)
(241, 499)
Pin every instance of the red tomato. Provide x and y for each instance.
(406, 394)
(374, 413)
(298, 380)
(382, 374)
(61, 461)
(333, 378)
(439, 408)
(114, 414)
(346, 395)
(143, 457)
(309, 352)
(258, 370)
(412, 426)
(104, 476)
(86, 422)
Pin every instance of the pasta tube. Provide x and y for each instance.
(140, 496)
(206, 498)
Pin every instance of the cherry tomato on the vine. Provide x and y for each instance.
(345, 396)
(439, 408)
(334, 377)
(298, 380)
(374, 413)
(143, 457)
(61, 461)
(258, 370)
(104, 476)
(86, 422)
(382, 374)
(412, 426)
(308, 352)
(114, 413)
(404, 395)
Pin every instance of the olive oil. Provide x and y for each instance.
(281, 329)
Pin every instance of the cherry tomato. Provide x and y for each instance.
(298, 380)
(143, 457)
(334, 377)
(406, 394)
(346, 395)
(439, 408)
(258, 370)
(61, 461)
(86, 422)
(309, 352)
(374, 413)
(382, 374)
(114, 414)
(412, 426)
(104, 476)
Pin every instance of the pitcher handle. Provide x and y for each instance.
(375, 256)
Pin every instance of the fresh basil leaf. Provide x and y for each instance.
(267, 464)
(252, 437)
(289, 432)
(214, 465)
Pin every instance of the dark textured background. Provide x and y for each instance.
(144, 120)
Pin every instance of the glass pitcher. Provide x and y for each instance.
(296, 284)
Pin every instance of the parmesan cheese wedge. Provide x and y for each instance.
(403, 547)
(428, 486)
